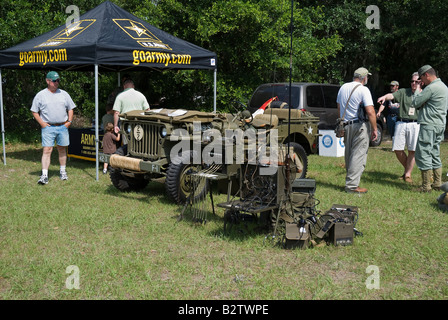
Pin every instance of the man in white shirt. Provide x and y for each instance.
(53, 110)
(351, 97)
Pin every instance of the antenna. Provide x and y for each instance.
(288, 156)
(291, 26)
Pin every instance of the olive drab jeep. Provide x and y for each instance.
(174, 143)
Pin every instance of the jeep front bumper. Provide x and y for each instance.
(132, 164)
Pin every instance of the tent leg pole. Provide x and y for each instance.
(3, 121)
(96, 122)
(214, 90)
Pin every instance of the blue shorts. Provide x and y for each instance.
(50, 134)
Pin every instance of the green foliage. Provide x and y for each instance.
(252, 41)
(18, 92)
(411, 34)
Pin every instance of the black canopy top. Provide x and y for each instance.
(113, 39)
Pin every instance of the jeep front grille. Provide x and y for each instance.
(145, 140)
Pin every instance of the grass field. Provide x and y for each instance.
(130, 245)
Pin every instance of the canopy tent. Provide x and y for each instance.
(106, 38)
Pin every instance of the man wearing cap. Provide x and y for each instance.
(391, 110)
(351, 97)
(407, 128)
(432, 103)
(53, 110)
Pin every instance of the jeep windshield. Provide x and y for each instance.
(264, 93)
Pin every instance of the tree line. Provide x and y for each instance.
(252, 40)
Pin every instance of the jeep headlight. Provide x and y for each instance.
(163, 132)
(209, 135)
(207, 138)
(127, 128)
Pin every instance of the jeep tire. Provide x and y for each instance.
(178, 182)
(377, 142)
(124, 182)
(301, 153)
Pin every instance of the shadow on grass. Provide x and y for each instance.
(203, 213)
(435, 204)
(240, 232)
(51, 174)
(387, 149)
(374, 177)
(251, 226)
(195, 215)
(153, 189)
(34, 154)
(386, 179)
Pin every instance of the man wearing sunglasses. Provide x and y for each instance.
(53, 110)
(407, 128)
(432, 103)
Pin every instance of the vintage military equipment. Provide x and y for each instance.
(301, 218)
(283, 201)
(287, 207)
(339, 225)
(257, 194)
(304, 185)
(154, 138)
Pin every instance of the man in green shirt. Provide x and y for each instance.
(407, 128)
(128, 100)
(432, 103)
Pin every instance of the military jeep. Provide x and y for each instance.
(167, 143)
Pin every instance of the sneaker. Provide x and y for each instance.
(104, 171)
(63, 176)
(43, 180)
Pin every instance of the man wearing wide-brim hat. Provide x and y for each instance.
(432, 103)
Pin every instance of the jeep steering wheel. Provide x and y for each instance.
(239, 112)
(246, 114)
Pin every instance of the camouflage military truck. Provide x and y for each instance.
(159, 142)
